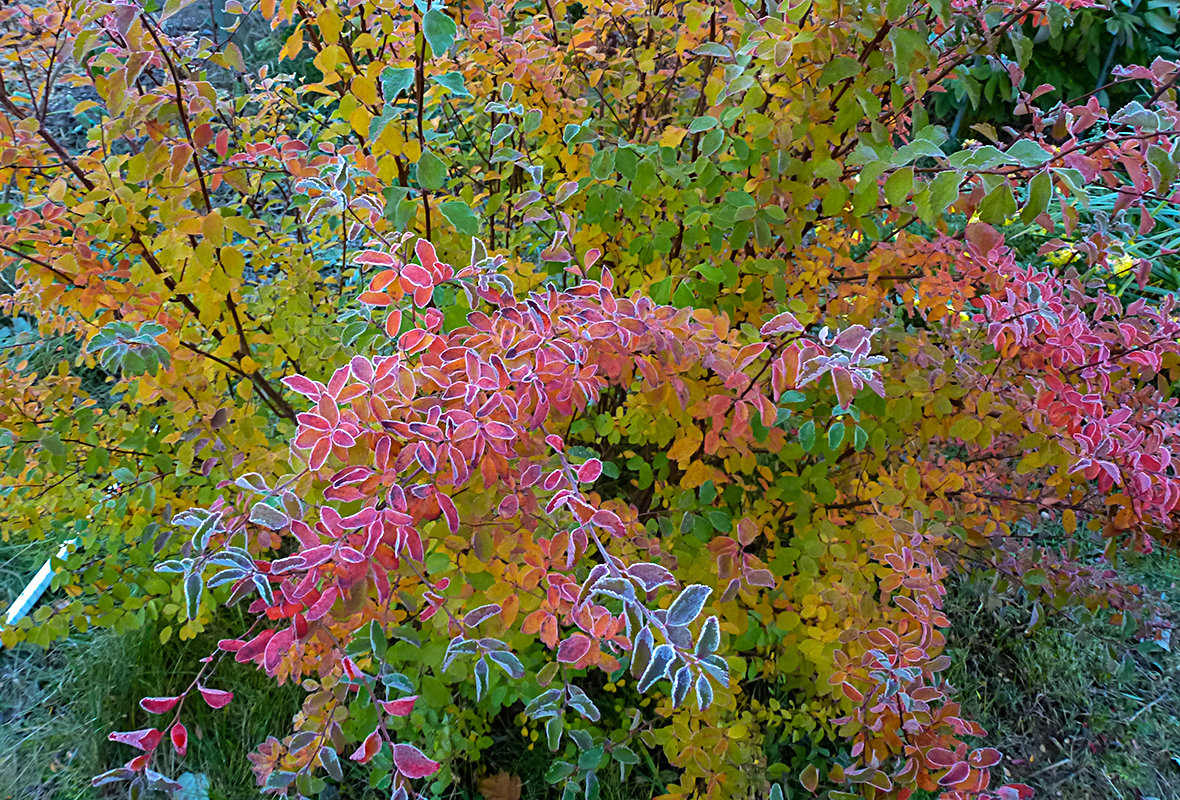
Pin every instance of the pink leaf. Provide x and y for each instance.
(144, 739)
(370, 747)
(304, 386)
(412, 762)
(216, 698)
(984, 757)
(589, 472)
(426, 254)
(158, 705)
(400, 707)
(941, 757)
(573, 648)
(447, 506)
(781, 323)
(179, 736)
(509, 506)
(956, 774)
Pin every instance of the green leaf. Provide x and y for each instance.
(590, 759)
(702, 124)
(395, 81)
(898, 186)
(194, 585)
(1035, 577)
(1040, 192)
(1162, 168)
(461, 216)
(559, 771)
(453, 83)
(377, 125)
(712, 142)
(944, 190)
(1028, 153)
(624, 754)
(432, 171)
(998, 205)
(838, 69)
(807, 435)
(836, 436)
(439, 30)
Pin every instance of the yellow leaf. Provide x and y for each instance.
(359, 120)
(672, 136)
(232, 262)
(365, 90)
(1069, 521)
(329, 24)
(696, 474)
(294, 44)
(684, 446)
(213, 229)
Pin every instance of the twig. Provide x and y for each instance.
(1051, 767)
(1147, 708)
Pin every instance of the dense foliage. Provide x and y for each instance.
(526, 342)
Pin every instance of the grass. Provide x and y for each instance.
(1080, 708)
(57, 706)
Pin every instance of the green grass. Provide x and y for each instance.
(1080, 708)
(57, 706)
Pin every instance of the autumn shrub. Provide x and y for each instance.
(536, 341)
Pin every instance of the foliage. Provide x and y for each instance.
(665, 341)
(1074, 54)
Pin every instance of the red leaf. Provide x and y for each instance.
(144, 739)
(509, 506)
(304, 386)
(393, 323)
(589, 472)
(499, 430)
(573, 648)
(370, 747)
(221, 143)
(425, 252)
(400, 707)
(179, 736)
(378, 299)
(984, 757)
(450, 513)
(412, 762)
(216, 698)
(941, 757)
(956, 774)
(417, 276)
(783, 322)
(158, 705)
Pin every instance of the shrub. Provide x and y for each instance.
(655, 340)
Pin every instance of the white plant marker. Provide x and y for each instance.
(28, 598)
